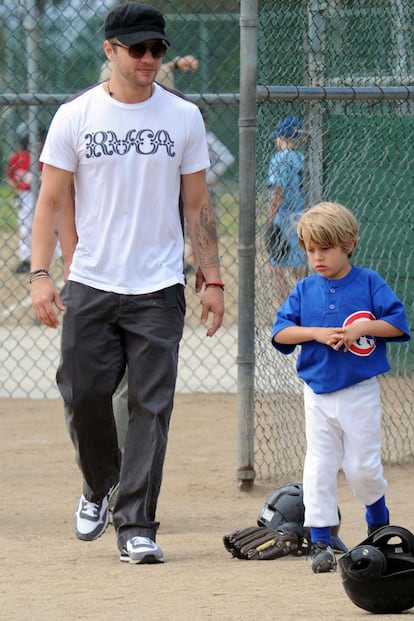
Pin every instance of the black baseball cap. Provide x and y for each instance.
(134, 22)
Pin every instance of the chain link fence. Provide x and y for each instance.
(343, 66)
(52, 50)
(358, 150)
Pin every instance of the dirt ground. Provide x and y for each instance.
(48, 575)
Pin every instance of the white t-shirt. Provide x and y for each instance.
(127, 161)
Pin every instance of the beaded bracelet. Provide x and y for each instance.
(214, 284)
(40, 273)
(37, 277)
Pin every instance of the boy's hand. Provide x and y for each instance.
(333, 337)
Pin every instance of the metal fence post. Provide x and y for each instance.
(29, 24)
(316, 39)
(246, 251)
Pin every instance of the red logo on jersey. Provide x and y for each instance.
(365, 345)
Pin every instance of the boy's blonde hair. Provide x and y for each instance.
(329, 225)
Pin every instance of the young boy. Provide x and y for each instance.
(340, 359)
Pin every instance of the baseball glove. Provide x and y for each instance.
(259, 543)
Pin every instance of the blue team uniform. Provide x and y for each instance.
(315, 301)
(286, 171)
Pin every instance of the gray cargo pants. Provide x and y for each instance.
(102, 332)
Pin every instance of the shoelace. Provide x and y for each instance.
(90, 508)
(142, 542)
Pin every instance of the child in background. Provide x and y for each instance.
(341, 356)
(285, 184)
(20, 179)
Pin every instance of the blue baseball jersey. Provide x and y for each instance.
(286, 171)
(362, 295)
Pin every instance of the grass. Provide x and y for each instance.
(228, 215)
(8, 216)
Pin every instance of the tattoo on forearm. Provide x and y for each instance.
(206, 237)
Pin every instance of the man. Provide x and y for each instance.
(130, 147)
(165, 77)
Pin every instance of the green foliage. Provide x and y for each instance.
(338, 39)
(197, 6)
(8, 219)
(69, 46)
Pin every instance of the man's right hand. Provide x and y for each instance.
(45, 298)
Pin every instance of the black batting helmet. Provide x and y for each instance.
(284, 510)
(378, 574)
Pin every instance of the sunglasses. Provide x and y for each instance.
(138, 50)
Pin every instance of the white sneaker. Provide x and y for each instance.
(141, 550)
(91, 518)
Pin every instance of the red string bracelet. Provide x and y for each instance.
(214, 284)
